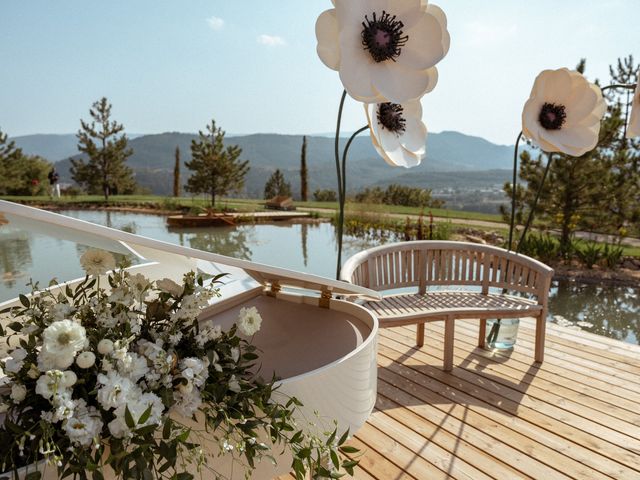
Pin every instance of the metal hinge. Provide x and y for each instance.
(274, 289)
(325, 298)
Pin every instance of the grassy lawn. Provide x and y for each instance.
(251, 204)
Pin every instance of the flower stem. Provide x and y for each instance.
(618, 85)
(535, 203)
(513, 190)
(341, 170)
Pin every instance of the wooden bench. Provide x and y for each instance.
(417, 266)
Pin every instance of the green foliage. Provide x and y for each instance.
(89, 425)
(325, 195)
(106, 149)
(21, 174)
(304, 173)
(589, 254)
(216, 169)
(542, 246)
(396, 194)
(276, 186)
(612, 255)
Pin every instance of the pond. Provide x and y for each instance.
(311, 247)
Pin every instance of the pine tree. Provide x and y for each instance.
(216, 169)
(304, 185)
(9, 164)
(106, 147)
(276, 186)
(176, 174)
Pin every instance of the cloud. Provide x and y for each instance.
(271, 40)
(215, 23)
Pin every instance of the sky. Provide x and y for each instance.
(251, 65)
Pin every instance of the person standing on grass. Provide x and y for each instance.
(53, 183)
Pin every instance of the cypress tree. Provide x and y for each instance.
(304, 185)
(176, 174)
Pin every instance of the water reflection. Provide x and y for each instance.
(232, 242)
(308, 247)
(15, 257)
(602, 309)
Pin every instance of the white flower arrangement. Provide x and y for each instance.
(116, 370)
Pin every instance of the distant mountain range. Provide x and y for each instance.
(453, 160)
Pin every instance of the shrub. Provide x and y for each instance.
(325, 195)
(612, 255)
(544, 247)
(589, 254)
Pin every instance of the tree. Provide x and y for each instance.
(216, 169)
(277, 186)
(304, 185)
(107, 150)
(176, 174)
(325, 195)
(21, 174)
(595, 192)
(10, 157)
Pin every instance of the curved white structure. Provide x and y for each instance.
(323, 348)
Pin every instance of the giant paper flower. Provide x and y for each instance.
(384, 50)
(633, 130)
(397, 132)
(563, 112)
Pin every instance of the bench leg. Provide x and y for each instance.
(541, 327)
(449, 324)
(420, 334)
(482, 334)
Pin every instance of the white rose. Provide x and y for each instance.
(15, 363)
(18, 392)
(105, 346)
(86, 360)
(249, 321)
(69, 378)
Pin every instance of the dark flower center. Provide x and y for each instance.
(552, 116)
(390, 117)
(382, 36)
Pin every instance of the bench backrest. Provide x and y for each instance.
(426, 263)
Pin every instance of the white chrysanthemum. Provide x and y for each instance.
(97, 262)
(249, 321)
(105, 346)
(397, 132)
(384, 50)
(15, 363)
(563, 112)
(84, 427)
(169, 286)
(18, 392)
(115, 390)
(86, 360)
(633, 129)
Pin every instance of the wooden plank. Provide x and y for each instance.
(582, 450)
(604, 413)
(570, 375)
(426, 448)
(377, 464)
(515, 370)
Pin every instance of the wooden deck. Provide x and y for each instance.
(495, 416)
